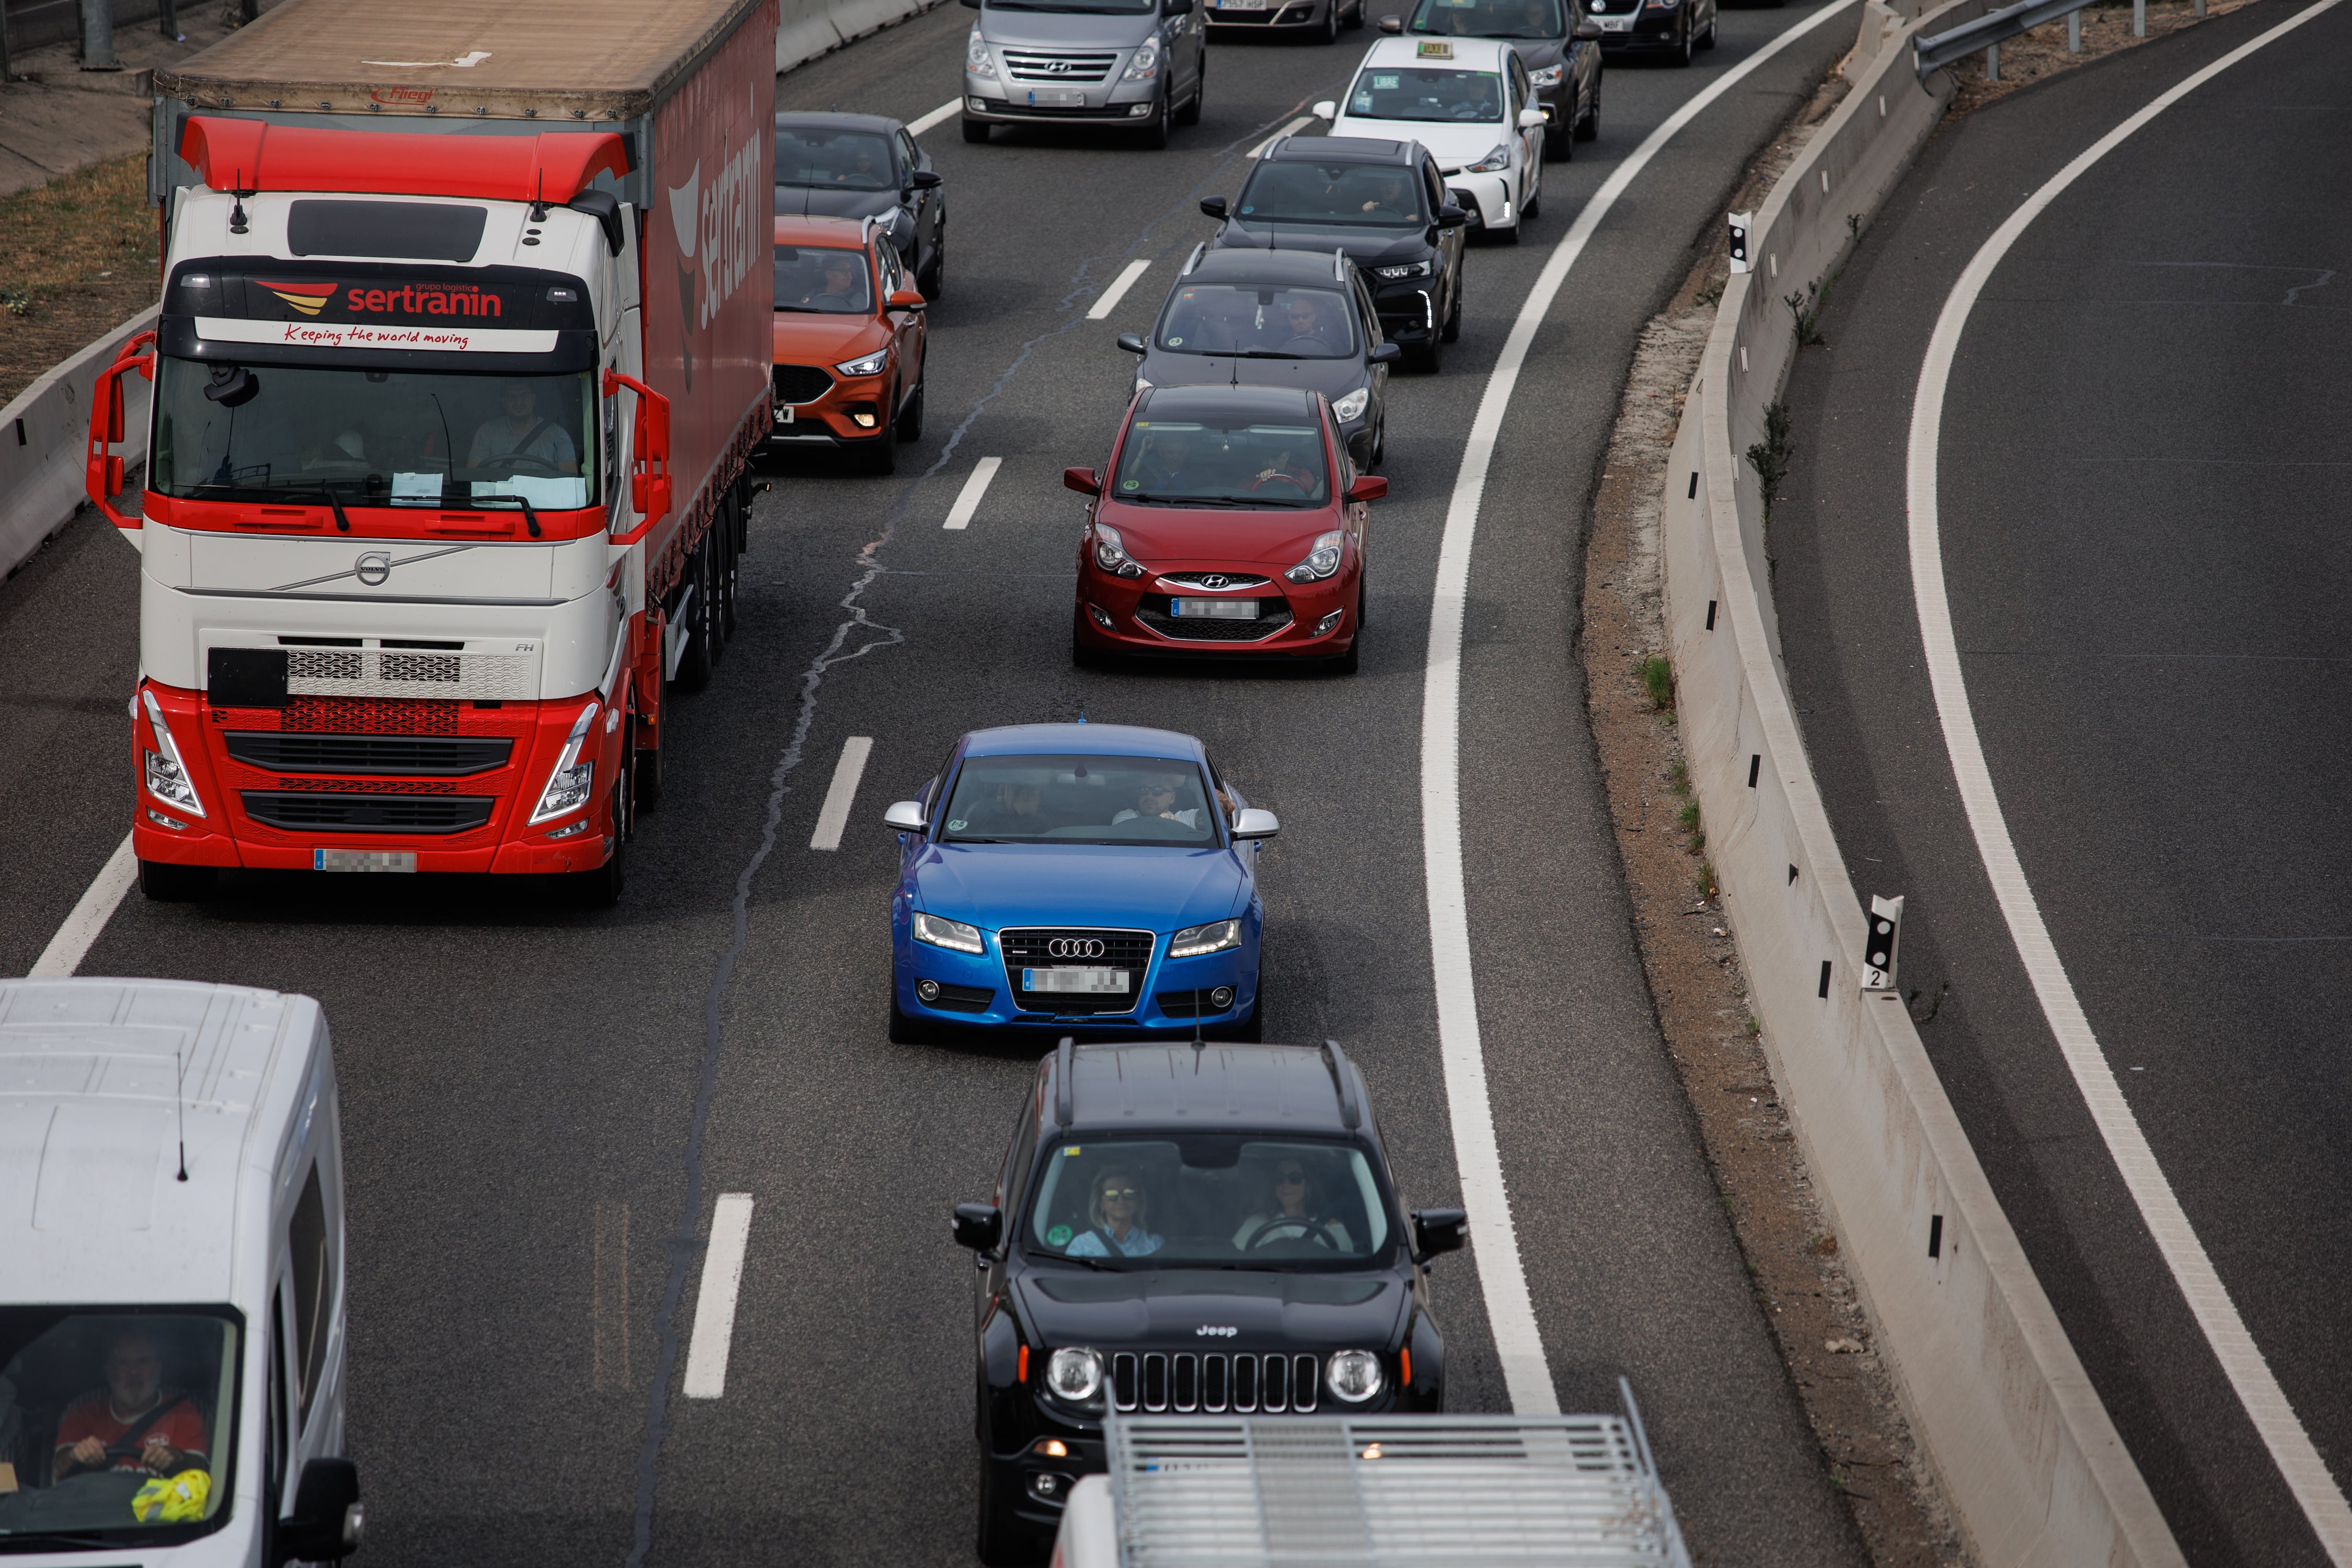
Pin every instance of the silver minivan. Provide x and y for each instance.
(1135, 64)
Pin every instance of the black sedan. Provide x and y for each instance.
(1301, 319)
(1179, 1227)
(1675, 28)
(1553, 39)
(863, 165)
(1382, 204)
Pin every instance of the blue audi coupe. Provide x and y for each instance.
(1090, 876)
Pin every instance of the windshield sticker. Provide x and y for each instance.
(1175, 342)
(1058, 1236)
(1387, 83)
(1434, 50)
(1071, 1152)
(957, 825)
(1132, 485)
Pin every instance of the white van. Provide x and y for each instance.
(171, 1277)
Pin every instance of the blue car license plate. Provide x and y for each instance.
(1085, 981)
(1215, 609)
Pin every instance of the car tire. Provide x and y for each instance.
(1688, 48)
(882, 453)
(934, 283)
(1356, 18)
(1533, 205)
(1154, 136)
(907, 1031)
(1347, 663)
(1451, 328)
(1002, 1541)
(1083, 655)
(163, 883)
(694, 664)
(1706, 39)
(1190, 113)
(1250, 1031)
(1379, 444)
(1330, 33)
(976, 130)
(1560, 148)
(1429, 358)
(1589, 128)
(909, 426)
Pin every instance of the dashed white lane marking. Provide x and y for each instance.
(1510, 1311)
(1118, 291)
(2200, 1284)
(939, 116)
(833, 815)
(714, 1305)
(99, 902)
(1293, 129)
(967, 500)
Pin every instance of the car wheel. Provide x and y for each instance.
(1429, 357)
(163, 883)
(1155, 135)
(1380, 442)
(694, 664)
(910, 418)
(1706, 39)
(882, 453)
(907, 1031)
(1190, 113)
(1559, 137)
(934, 282)
(1346, 663)
(1533, 205)
(1683, 53)
(976, 130)
(1331, 34)
(1084, 655)
(1589, 126)
(1452, 330)
(1002, 1541)
(1356, 18)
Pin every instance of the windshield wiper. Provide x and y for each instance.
(529, 518)
(34, 1539)
(266, 493)
(1184, 501)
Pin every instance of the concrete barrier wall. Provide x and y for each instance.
(808, 28)
(2024, 1450)
(41, 437)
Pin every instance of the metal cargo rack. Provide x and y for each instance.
(1397, 1491)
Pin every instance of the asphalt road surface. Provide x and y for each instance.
(543, 1105)
(2142, 459)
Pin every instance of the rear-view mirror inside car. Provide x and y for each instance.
(1368, 487)
(1082, 480)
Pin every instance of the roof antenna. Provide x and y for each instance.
(1082, 715)
(539, 202)
(180, 1104)
(237, 207)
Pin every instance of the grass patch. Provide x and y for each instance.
(1678, 777)
(1770, 458)
(1658, 679)
(77, 258)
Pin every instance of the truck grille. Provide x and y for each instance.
(1185, 1381)
(1059, 66)
(801, 382)
(368, 672)
(1208, 630)
(321, 812)
(395, 716)
(308, 754)
(1033, 948)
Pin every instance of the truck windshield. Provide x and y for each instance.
(120, 1424)
(288, 433)
(1216, 1201)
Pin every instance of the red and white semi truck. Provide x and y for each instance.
(462, 358)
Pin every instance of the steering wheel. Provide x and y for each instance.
(1312, 1229)
(1306, 347)
(830, 302)
(1293, 482)
(514, 459)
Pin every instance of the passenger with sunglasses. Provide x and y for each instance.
(1117, 1210)
(1294, 1213)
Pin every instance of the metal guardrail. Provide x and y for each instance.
(1988, 32)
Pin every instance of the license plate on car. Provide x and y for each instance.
(1085, 981)
(1057, 98)
(1215, 609)
(1241, 5)
(783, 413)
(1615, 24)
(362, 860)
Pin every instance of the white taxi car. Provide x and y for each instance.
(1468, 100)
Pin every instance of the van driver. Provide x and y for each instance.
(135, 1424)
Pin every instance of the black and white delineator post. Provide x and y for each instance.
(1738, 239)
(1878, 946)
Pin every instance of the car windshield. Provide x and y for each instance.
(1489, 19)
(1258, 324)
(1084, 800)
(1228, 1201)
(1188, 462)
(288, 433)
(824, 280)
(119, 1424)
(1089, 7)
(1424, 92)
(1368, 195)
(852, 160)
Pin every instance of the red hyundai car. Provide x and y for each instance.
(1230, 521)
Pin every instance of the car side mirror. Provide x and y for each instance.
(906, 300)
(906, 815)
(1437, 1230)
(1450, 217)
(1587, 30)
(1174, 7)
(1530, 118)
(1082, 480)
(1327, 110)
(1387, 353)
(978, 1226)
(1253, 823)
(1392, 25)
(1368, 487)
(327, 1519)
(1216, 207)
(923, 179)
(1133, 343)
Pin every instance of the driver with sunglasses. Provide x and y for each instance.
(1294, 1213)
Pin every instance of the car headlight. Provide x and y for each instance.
(1354, 1375)
(167, 775)
(1321, 560)
(1500, 158)
(1074, 1373)
(1145, 65)
(1215, 937)
(948, 933)
(870, 365)
(975, 56)
(1548, 76)
(1404, 270)
(1352, 406)
(1110, 553)
(571, 778)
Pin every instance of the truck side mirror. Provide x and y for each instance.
(1082, 481)
(327, 1519)
(102, 473)
(978, 1226)
(605, 208)
(649, 476)
(1437, 1230)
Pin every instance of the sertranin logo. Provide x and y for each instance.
(307, 298)
(1216, 1331)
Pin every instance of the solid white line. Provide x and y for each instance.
(1292, 129)
(1509, 1310)
(2234, 1346)
(99, 902)
(1117, 290)
(833, 815)
(939, 116)
(714, 1304)
(967, 500)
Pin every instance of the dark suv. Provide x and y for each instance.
(1188, 1227)
(1381, 202)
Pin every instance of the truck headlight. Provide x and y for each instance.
(1321, 560)
(1215, 937)
(1547, 77)
(870, 365)
(1074, 1374)
(1352, 406)
(572, 777)
(1354, 1375)
(946, 934)
(1145, 64)
(167, 773)
(1110, 553)
(975, 56)
(1494, 161)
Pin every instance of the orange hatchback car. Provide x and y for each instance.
(849, 342)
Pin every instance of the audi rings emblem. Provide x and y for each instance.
(1075, 947)
(373, 568)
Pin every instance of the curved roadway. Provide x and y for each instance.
(543, 1107)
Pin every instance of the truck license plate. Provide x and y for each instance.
(1214, 609)
(362, 860)
(1086, 982)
